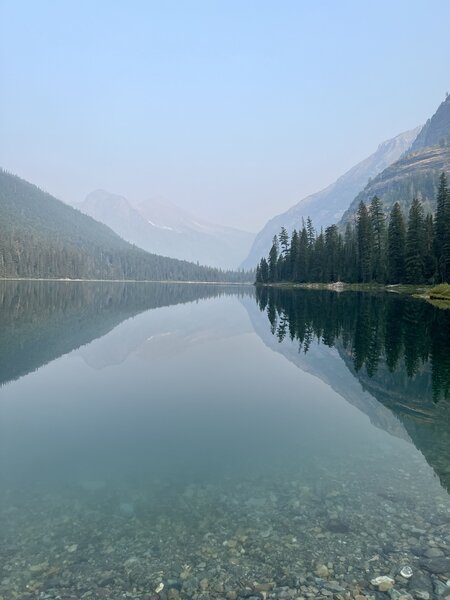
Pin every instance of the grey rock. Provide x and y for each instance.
(106, 580)
(420, 582)
(439, 566)
(433, 553)
(440, 589)
(333, 586)
(338, 526)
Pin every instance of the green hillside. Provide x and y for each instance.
(42, 237)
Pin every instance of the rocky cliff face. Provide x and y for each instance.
(436, 131)
(415, 174)
(328, 205)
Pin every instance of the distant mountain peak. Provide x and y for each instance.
(161, 227)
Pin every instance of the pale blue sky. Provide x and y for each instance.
(234, 110)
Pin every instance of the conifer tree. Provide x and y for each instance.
(429, 259)
(349, 255)
(414, 255)
(364, 233)
(396, 245)
(311, 232)
(377, 219)
(273, 260)
(301, 273)
(293, 254)
(332, 254)
(318, 259)
(262, 273)
(439, 237)
(445, 256)
(284, 240)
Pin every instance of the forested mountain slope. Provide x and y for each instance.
(42, 237)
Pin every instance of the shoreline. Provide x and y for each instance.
(422, 291)
(70, 280)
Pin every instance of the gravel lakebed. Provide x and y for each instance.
(311, 534)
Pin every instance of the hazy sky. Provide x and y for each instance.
(233, 110)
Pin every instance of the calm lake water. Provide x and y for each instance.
(194, 441)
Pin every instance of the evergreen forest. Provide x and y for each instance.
(376, 248)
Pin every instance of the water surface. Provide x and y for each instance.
(196, 441)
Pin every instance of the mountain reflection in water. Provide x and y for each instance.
(397, 347)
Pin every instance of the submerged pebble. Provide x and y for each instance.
(406, 572)
(383, 583)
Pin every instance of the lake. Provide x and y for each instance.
(184, 441)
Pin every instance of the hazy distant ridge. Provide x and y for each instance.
(163, 228)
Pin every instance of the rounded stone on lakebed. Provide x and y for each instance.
(383, 583)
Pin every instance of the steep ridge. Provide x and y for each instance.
(435, 132)
(328, 205)
(416, 174)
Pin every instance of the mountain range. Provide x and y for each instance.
(163, 228)
(43, 237)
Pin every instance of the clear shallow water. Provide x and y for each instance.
(180, 436)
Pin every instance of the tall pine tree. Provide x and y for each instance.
(378, 221)
(439, 223)
(445, 256)
(396, 245)
(414, 256)
(364, 234)
(273, 261)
